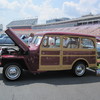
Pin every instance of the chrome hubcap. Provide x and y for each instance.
(13, 72)
(80, 70)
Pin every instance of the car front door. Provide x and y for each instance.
(50, 53)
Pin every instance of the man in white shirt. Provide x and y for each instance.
(30, 38)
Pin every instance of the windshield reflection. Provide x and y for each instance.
(37, 40)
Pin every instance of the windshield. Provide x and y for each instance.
(37, 40)
(98, 45)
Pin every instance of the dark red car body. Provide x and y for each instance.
(28, 57)
(37, 59)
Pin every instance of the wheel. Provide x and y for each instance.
(79, 69)
(12, 71)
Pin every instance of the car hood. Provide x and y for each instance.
(17, 40)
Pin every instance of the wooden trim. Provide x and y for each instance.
(61, 49)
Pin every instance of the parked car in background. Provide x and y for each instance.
(1, 35)
(5, 40)
(98, 49)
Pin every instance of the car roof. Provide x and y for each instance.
(63, 33)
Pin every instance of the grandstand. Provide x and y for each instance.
(57, 20)
(88, 29)
(84, 20)
(88, 24)
(22, 24)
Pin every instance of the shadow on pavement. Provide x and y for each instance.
(54, 78)
(1, 76)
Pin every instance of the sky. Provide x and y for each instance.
(11, 10)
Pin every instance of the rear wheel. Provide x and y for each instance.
(79, 69)
(12, 71)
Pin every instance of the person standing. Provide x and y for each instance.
(30, 38)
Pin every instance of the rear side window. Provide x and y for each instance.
(87, 43)
(71, 42)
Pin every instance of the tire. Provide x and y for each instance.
(79, 69)
(12, 71)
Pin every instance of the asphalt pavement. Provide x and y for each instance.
(51, 86)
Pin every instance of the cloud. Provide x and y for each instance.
(44, 10)
(48, 12)
(9, 5)
(82, 7)
(70, 9)
(87, 6)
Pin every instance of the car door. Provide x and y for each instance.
(50, 53)
(71, 51)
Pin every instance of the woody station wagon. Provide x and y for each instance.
(49, 51)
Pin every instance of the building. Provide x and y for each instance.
(22, 24)
(84, 20)
(88, 24)
(56, 20)
(55, 23)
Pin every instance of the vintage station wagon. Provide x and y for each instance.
(49, 51)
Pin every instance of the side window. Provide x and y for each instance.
(71, 42)
(87, 43)
(51, 42)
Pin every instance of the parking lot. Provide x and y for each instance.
(51, 86)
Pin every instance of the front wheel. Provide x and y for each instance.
(12, 71)
(79, 69)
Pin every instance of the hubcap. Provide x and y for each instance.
(13, 72)
(80, 70)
